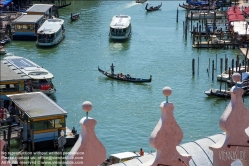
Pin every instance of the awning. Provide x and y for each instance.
(5, 2)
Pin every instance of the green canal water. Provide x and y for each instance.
(127, 113)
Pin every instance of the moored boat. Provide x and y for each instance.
(225, 75)
(152, 8)
(194, 7)
(123, 77)
(120, 27)
(218, 93)
(140, 1)
(37, 79)
(51, 32)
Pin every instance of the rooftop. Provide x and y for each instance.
(41, 8)
(28, 19)
(37, 104)
(10, 74)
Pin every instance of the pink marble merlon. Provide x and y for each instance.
(88, 150)
(3, 161)
(166, 136)
(233, 121)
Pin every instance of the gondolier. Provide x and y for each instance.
(112, 69)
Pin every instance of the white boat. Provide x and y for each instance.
(225, 75)
(120, 27)
(206, 15)
(37, 79)
(120, 158)
(51, 32)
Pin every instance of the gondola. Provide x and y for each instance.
(152, 8)
(65, 5)
(140, 1)
(75, 16)
(193, 7)
(122, 77)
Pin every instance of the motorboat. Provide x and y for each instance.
(51, 32)
(225, 75)
(120, 158)
(37, 78)
(120, 27)
(218, 93)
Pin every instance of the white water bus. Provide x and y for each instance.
(51, 32)
(37, 79)
(120, 27)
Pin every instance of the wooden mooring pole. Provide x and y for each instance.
(177, 15)
(193, 67)
(212, 70)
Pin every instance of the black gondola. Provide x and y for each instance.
(153, 8)
(65, 5)
(122, 77)
(75, 16)
(194, 7)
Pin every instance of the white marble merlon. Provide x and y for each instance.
(199, 150)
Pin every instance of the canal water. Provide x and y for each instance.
(127, 113)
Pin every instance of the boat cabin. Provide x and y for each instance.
(40, 118)
(121, 157)
(26, 27)
(34, 77)
(120, 27)
(41, 9)
(51, 32)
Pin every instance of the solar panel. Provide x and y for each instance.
(20, 62)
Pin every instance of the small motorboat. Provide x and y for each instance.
(218, 93)
(152, 8)
(123, 77)
(75, 16)
(140, 1)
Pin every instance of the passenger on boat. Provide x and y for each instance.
(112, 69)
(128, 76)
(141, 152)
(74, 131)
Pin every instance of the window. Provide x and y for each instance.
(49, 124)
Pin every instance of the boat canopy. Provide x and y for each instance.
(37, 104)
(50, 26)
(120, 21)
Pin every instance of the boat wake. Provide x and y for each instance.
(129, 5)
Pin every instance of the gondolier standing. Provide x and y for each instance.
(112, 69)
